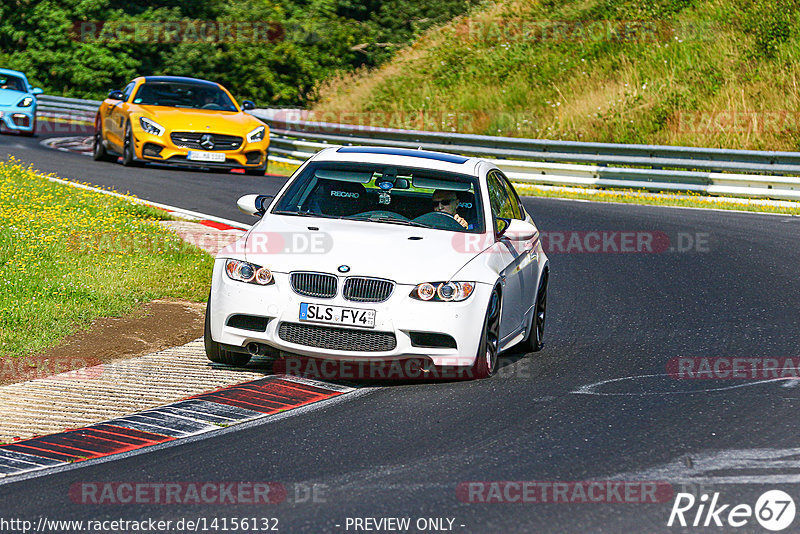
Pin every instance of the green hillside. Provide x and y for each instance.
(720, 73)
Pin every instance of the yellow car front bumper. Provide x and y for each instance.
(174, 148)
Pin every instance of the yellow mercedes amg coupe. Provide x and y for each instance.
(180, 121)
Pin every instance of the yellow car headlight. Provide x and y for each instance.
(151, 126)
(256, 135)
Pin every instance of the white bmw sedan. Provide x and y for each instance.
(372, 254)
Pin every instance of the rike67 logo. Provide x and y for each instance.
(774, 510)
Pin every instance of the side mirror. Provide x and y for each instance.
(254, 205)
(248, 105)
(516, 229)
(116, 95)
(36, 91)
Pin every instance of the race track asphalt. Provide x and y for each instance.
(596, 404)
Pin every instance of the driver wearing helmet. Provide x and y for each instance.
(446, 202)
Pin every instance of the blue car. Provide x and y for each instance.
(17, 102)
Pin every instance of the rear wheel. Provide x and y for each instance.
(488, 350)
(214, 351)
(99, 153)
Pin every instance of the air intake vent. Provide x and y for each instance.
(248, 322)
(317, 285)
(367, 289)
(430, 340)
(325, 337)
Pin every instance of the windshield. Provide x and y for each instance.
(12, 83)
(387, 195)
(183, 95)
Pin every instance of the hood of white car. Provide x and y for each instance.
(405, 254)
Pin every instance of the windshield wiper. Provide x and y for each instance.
(298, 213)
(305, 214)
(390, 220)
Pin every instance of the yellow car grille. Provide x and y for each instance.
(205, 141)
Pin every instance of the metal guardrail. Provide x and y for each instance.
(68, 109)
(741, 173)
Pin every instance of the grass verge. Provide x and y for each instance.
(711, 73)
(68, 256)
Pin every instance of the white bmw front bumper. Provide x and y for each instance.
(399, 317)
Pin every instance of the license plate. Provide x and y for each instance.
(337, 315)
(197, 155)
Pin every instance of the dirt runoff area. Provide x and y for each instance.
(155, 326)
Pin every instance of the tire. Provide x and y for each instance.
(99, 153)
(486, 359)
(261, 171)
(214, 351)
(535, 341)
(128, 152)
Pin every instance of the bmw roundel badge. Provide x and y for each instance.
(344, 268)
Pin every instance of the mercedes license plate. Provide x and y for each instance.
(197, 155)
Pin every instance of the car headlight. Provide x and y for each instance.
(443, 291)
(243, 271)
(151, 127)
(256, 135)
(25, 102)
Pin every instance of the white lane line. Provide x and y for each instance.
(592, 389)
(195, 215)
(166, 207)
(727, 466)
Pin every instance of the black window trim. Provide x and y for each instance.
(127, 97)
(515, 197)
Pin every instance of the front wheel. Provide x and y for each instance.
(261, 171)
(535, 341)
(128, 153)
(214, 351)
(486, 360)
